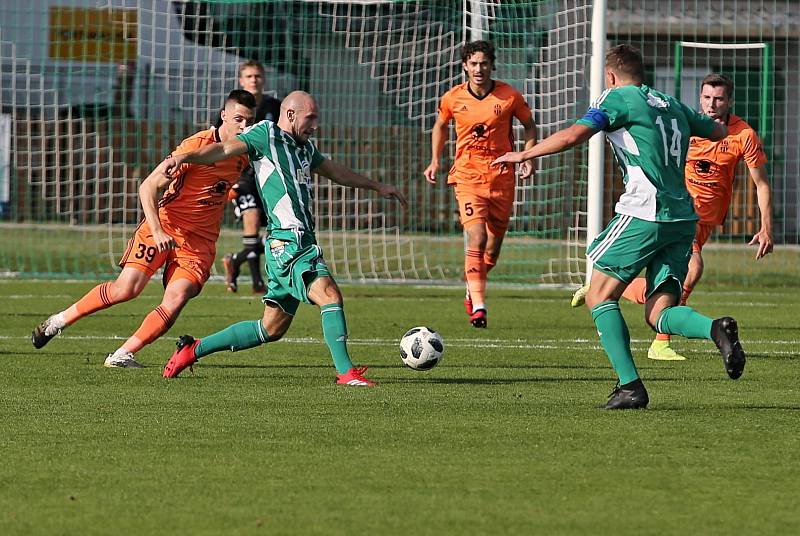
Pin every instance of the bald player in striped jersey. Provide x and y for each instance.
(179, 233)
(484, 110)
(283, 158)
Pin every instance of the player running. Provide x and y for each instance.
(483, 110)
(179, 233)
(283, 158)
(654, 223)
(710, 172)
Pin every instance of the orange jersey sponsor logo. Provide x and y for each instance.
(483, 128)
(711, 168)
(195, 201)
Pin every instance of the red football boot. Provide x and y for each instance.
(354, 378)
(478, 318)
(183, 356)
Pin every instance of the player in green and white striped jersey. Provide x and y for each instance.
(283, 158)
(655, 221)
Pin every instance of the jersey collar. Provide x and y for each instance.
(469, 89)
(288, 139)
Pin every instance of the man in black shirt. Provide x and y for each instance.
(247, 203)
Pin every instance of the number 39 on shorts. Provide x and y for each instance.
(146, 253)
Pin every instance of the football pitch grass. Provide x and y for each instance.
(503, 437)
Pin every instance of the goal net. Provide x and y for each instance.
(96, 92)
(94, 107)
(756, 45)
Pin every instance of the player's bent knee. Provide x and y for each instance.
(276, 330)
(324, 291)
(124, 293)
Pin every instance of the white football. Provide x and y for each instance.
(421, 348)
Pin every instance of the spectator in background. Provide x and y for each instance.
(246, 201)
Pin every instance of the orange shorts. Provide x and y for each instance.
(486, 203)
(701, 234)
(192, 260)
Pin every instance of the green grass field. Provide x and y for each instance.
(504, 437)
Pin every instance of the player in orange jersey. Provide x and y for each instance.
(483, 110)
(710, 171)
(179, 233)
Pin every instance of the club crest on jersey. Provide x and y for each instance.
(304, 177)
(479, 131)
(655, 101)
(498, 110)
(277, 247)
(704, 168)
(220, 188)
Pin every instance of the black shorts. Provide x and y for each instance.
(247, 196)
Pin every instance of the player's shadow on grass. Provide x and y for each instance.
(657, 406)
(526, 366)
(774, 357)
(504, 381)
(264, 366)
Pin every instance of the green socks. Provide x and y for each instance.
(240, 336)
(684, 321)
(615, 339)
(251, 333)
(334, 328)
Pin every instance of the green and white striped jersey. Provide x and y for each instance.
(649, 132)
(283, 176)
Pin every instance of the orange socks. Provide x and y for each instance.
(475, 271)
(100, 297)
(490, 262)
(154, 325)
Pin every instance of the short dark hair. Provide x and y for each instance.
(251, 63)
(477, 46)
(717, 80)
(240, 96)
(627, 60)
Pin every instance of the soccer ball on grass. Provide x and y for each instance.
(421, 348)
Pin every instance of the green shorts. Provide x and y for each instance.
(291, 268)
(629, 245)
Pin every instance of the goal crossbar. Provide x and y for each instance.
(766, 68)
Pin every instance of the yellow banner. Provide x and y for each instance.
(87, 34)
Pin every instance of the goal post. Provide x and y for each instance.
(94, 93)
(595, 179)
(121, 82)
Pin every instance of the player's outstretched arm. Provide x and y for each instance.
(560, 141)
(148, 195)
(347, 177)
(438, 135)
(764, 195)
(208, 154)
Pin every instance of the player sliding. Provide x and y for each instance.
(283, 159)
(179, 233)
(654, 223)
(710, 172)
